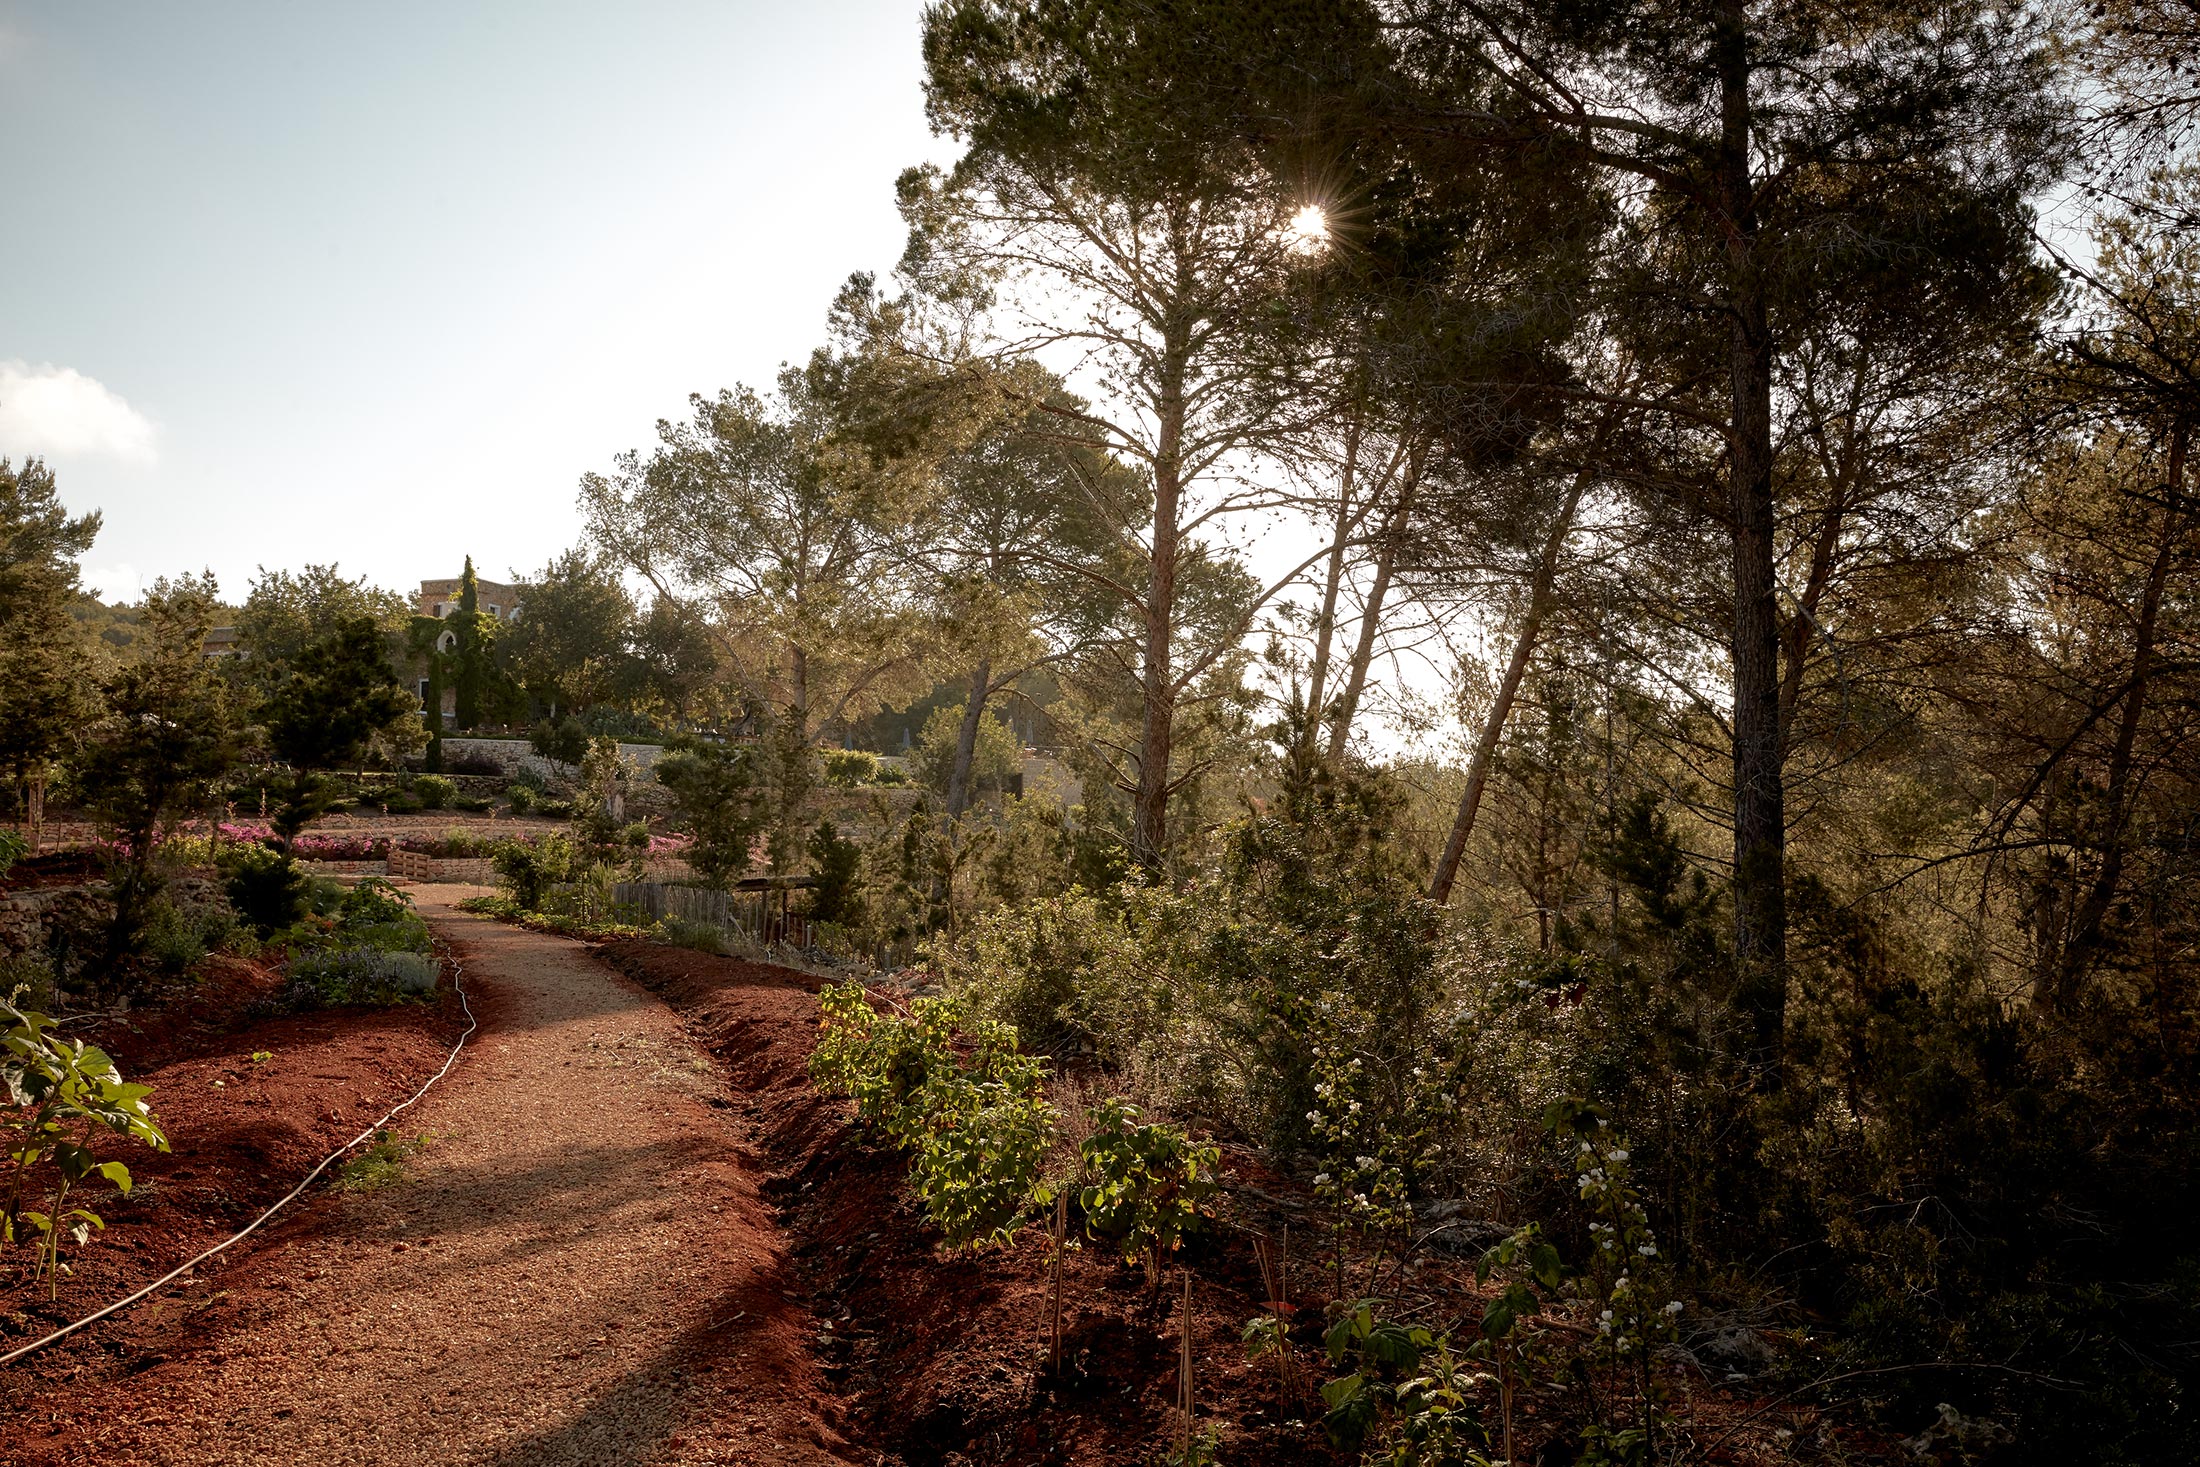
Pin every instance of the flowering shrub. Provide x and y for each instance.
(1626, 1275)
(1371, 1125)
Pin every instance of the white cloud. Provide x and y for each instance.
(59, 412)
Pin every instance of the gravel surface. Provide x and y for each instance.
(577, 1269)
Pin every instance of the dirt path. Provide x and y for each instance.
(579, 1270)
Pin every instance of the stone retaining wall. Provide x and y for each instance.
(30, 920)
(513, 755)
(412, 866)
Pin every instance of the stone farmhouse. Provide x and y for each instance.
(437, 598)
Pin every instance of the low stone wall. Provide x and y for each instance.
(513, 755)
(412, 866)
(30, 920)
(347, 868)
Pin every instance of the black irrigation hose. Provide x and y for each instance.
(65, 1331)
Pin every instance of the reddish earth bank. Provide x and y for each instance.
(943, 1358)
(614, 1251)
(242, 1132)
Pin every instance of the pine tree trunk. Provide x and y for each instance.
(966, 739)
(1760, 818)
(1325, 625)
(1508, 687)
(1157, 733)
(2083, 949)
(1371, 616)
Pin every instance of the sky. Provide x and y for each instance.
(298, 283)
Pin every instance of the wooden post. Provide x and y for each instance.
(1054, 1310)
(1184, 1366)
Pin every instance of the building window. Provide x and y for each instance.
(423, 692)
(492, 608)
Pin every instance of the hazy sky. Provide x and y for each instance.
(298, 282)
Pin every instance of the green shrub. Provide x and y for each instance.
(13, 848)
(1064, 971)
(561, 741)
(521, 798)
(529, 869)
(27, 980)
(723, 798)
(359, 975)
(976, 1169)
(268, 889)
(457, 840)
(178, 934)
(848, 768)
(375, 900)
(1404, 1388)
(435, 791)
(473, 804)
(377, 914)
(835, 861)
(953, 1092)
(1146, 1186)
(702, 937)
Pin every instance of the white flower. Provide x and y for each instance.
(1321, 1179)
(1364, 1162)
(1648, 1250)
(1615, 1155)
(1674, 1307)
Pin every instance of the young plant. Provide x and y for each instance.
(1404, 1389)
(1147, 1185)
(62, 1093)
(1625, 1276)
(952, 1091)
(1525, 1262)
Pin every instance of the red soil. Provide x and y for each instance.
(242, 1133)
(942, 1358)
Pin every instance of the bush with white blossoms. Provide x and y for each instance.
(1370, 1126)
(1626, 1276)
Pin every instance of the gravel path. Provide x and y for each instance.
(578, 1270)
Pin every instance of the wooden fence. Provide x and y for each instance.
(757, 910)
(761, 914)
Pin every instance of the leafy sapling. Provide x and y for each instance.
(1147, 1185)
(61, 1093)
